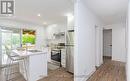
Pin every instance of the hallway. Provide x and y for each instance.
(110, 71)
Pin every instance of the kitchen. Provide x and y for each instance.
(53, 42)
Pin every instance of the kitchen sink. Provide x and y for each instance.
(34, 51)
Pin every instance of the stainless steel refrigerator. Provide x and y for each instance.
(70, 51)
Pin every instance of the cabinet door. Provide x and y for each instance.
(63, 57)
(70, 59)
(22, 68)
(37, 67)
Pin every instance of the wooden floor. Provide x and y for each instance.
(58, 75)
(53, 75)
(13, 77)
(110, 71)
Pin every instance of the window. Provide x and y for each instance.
(28, 37)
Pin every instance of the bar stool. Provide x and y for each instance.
(11, 59)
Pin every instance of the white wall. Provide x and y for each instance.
(40, 30)
(84, 58)
(70, 22)
(118, 41)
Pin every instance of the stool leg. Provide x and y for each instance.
(6, 69)
(25, 66)
(9, 70)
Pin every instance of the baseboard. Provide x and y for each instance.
(123, 61)
(88, 76)
(108, 57)
(85, 78)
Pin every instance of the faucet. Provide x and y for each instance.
(27, 44)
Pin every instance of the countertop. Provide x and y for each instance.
(28, 53)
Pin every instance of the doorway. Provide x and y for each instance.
(107, 45)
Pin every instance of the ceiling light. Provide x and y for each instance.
(38, 15)
(45, 23)
(69, 14)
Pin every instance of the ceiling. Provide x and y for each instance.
(54, 11)
(51, 11)
(109, 11)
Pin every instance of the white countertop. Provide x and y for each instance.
(27, 53)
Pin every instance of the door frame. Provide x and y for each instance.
(98, 46)
(111, 42)
(0, 47)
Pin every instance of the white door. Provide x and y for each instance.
(107, 42)
(6, 39)
(10, 37)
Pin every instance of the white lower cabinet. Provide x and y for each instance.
(36, 67)
(63, 57)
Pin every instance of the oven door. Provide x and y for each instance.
(56, 55)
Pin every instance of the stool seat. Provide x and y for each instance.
(16, 58)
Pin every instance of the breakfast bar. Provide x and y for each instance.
(35, 62)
